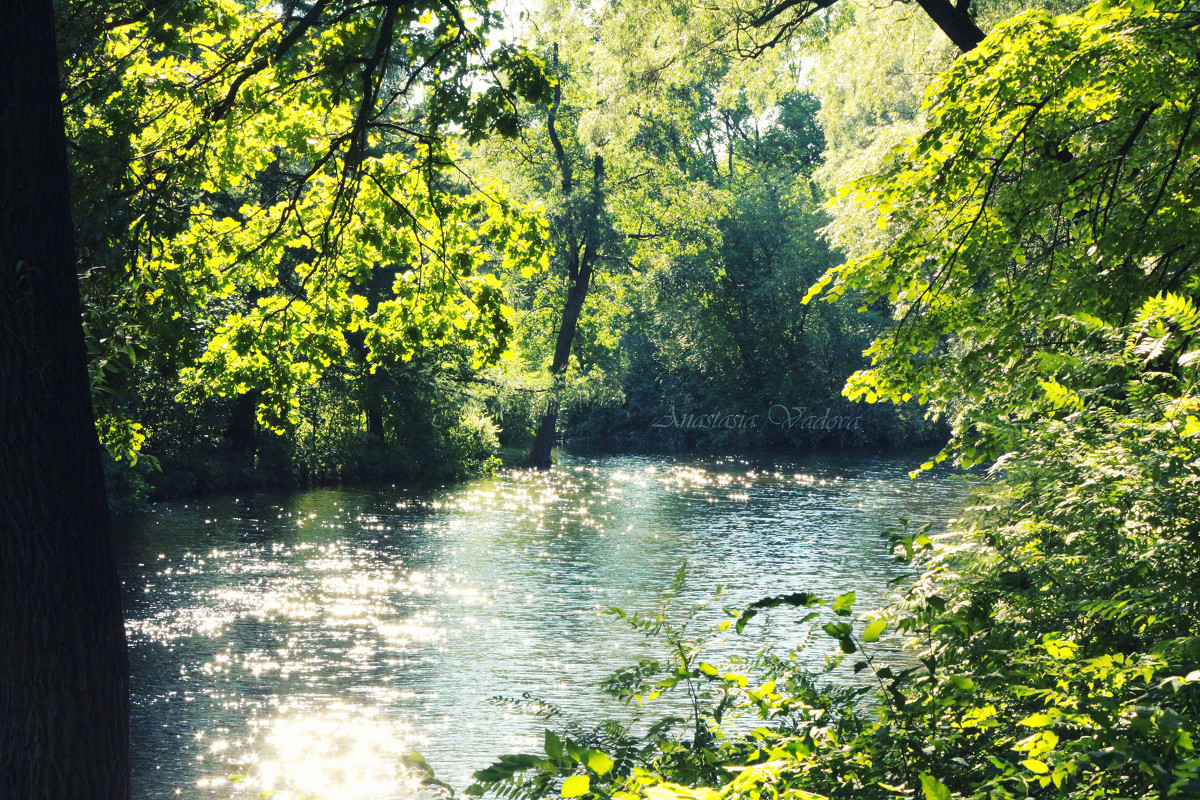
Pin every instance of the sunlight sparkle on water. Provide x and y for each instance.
(310, 658)
(344, 751)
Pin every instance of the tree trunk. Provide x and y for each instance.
(242, 431)
(64, 705)
(581, 261)
(375, 428)
(955, 21)
(543, 441)
(373, 389)
(375, 392)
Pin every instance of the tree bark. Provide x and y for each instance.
(375, 428)
(581, 261)
(64, 706)
(543, 441)
(581, 250)
(375, 391)
(955, 22)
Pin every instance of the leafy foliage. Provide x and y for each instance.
(1059, 652)
(1049, 188)
(1037, 247)
(611, 759)
(268, 205)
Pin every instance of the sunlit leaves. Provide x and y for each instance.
(1050, 181)
(843, 605)
(933, 788)
(576, 785)
(287, 154)
(316, 256)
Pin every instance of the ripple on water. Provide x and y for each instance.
(303, 643)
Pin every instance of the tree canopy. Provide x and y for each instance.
(395, 241)
(283, 182)
(1050, 193)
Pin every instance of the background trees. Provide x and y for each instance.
(713, 216)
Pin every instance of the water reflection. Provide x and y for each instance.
(300, 644)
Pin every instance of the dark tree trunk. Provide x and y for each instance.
(581, 249)
(543, 441)
(955, 21)
(581, 262)
(64, 707)
(242, 431)
(374, 384)
(375, 428)
(373, 398)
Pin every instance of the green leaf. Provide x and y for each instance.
(554, 746)
(1033, 765)
(962, 683)
(506, 767)
(874, 630)
(796, 599)
(837, 630)
(843, 604)
(1039, 720)
(576, 786)
(598, 762)
(933, 788)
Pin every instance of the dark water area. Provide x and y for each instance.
(301, 643)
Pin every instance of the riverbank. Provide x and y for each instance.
(216, 470)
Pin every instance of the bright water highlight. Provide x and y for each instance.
(301, 643)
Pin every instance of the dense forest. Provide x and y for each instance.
(625, 267)
(363, 240)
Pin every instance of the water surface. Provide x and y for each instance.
(305, 641)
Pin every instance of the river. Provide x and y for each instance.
(300, 643)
